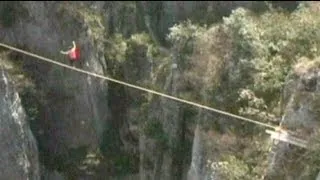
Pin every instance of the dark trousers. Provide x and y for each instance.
(72, 62)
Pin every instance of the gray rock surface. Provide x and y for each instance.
(301, 119)
(76, 105)
(19, 153)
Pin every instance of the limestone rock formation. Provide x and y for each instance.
(19, 152)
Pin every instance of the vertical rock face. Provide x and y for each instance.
(197, 170)
(19, 153)
(167, 118)
(172, 121)
(76, 108)
(163, 144)
(301, 118)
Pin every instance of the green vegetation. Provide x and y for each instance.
(125, 164)
(246, 60)
(311, 157)
(30, 103)
(70, 15)
(239, 65)
(266, 51)
(154, 130)
(182, 37)
(248, 53)
(234, 169)
(30, 97)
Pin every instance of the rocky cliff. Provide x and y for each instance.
(72, 108)
(89, 128)
(301, 119)
(19, 152)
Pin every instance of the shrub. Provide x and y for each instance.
(271, 50)
(182, 37)
(30, 103)
(255, 52)
(153, 129)
(232, 168)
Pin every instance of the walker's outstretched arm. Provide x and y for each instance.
(64, 52)
(67, 52)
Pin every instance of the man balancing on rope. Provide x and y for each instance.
(73, 53)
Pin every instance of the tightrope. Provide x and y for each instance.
(139, 87)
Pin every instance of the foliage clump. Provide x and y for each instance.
(154, 130)
(242, 64)
(252, 53)
(182, 37)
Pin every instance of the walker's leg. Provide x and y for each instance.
(71, 63)
(81, 65)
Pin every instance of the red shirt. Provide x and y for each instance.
(75, 54)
